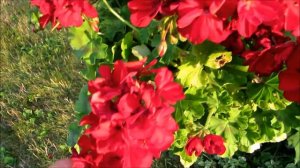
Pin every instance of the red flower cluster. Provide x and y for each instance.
(289, 79)
(142, 12)
(215, 20)
(64, 13)
(212, 144)
(131, 119)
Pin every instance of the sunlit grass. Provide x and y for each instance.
(40, 81)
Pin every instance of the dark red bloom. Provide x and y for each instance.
(268, 60)
(234, 43)
(142, 12)
(198, 20)
(289, 79)
(194, 146)
(289, 82)
(214, 144)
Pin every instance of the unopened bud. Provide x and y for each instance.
(162, 48)
(173, 39)
(181, 38)
(94, 24)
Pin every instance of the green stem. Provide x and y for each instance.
(210, 114)
(119, 17)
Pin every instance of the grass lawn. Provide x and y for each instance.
(40, 82)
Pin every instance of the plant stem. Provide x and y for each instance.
(210, 114)
(119, 17)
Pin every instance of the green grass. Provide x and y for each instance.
(40, 82)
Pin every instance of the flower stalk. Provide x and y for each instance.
(119, 16)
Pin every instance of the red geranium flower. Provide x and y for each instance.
(47, 9)
(142, 12)
(289, 82)
(64, 13)
(131, 120)
(69, 12)
(214, 144)
(252, 13)
(194, 145)
(268, 60)
(292, 16)
(198, 20)
(289, 79)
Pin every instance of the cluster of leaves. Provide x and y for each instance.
(229, 101)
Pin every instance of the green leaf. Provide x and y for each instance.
(270, 127)
(111, 27)
(82, 105)
(294, 141)
(195, 68)
(206, 49)
(186, 160)
(90, 72)
(192, 75)
(190, 109)
(88, 45)
(144, 34)
(141, 51)
(74, 133)
(171, 54)
(290, 116)
(80, 36)
(181, 137)
(228, 131)
(126, 45)
(266, 95)
(232, 127)
(216, 60)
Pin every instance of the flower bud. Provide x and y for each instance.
(94, 24)
(173, 39)
(162, 48)
(194, 145)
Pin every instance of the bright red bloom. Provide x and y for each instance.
(292, 16)
(131, 120)
(194, 146)
(252, 13)
(142, 12)
(198, 20)
(169, 91)
(214, 144)
(64, 13)
(69, 12)
(47, 8)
